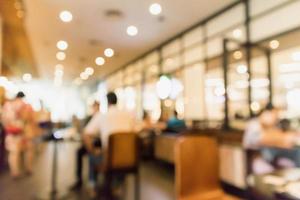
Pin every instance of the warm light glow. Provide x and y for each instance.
(155, 9)
(84, 76)
(237, 55)
(62, 45)
(274, 44)
(66, 16)
(132, 30)
(164, 87)
(296, 56)
(241, 69)
(60, 55)
(237, 33)
(100, 61)
(27, 77)
(20, 14)
(255, 106)
(89, 71)
(109, 52)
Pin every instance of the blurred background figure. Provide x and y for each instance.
(14, 118)
(271, 143)
(175, 125)
(82, 151)
(2, 132)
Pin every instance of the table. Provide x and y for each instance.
(275, 186)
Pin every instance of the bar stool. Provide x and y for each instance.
(122, 159)
(197, 169)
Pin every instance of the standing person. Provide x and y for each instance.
(82, 151)
(30, 131)
(115, 120)
(2, 132)
(14, 128)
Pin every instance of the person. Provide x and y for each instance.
(30, 131)
(263, 135)
(14, 128)
(115, 120)
(82, 151)
(175, 125)
(2, 132)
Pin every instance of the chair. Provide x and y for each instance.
(122, 158)
(197, 169)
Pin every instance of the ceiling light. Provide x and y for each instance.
(59, 67)
(237, 33)
(109, 52)
(60, 55)
(237, 55)
(155, 9)
(241, 69)
(89, 71)
(296, 56)
(84, 76)
(27, 77)
(274, 44)
(100, 61)
(62, 45)
(66, 16)
(132, 30)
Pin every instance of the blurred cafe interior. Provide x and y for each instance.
(152, 99)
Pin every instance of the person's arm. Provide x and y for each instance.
(277, 138)
(90, 131)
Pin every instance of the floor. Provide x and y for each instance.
(157, 181)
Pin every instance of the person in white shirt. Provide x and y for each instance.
(115, 120)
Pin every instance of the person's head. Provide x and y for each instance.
(20, 95)
(269, 116)
(112, 98)
(175, 113)
(96, 106)
(146, 115)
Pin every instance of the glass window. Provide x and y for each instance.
(286, 18)
(232, 17)
(258, 6)
(194, 96)
(171, 48)
(172, 63)
(193, 55)
(193, 37)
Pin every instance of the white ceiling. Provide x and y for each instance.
(90, 23)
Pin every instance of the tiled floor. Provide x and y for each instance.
(157, 182)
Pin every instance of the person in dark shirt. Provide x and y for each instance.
(82, 151)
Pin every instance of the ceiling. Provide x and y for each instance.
(91, 31)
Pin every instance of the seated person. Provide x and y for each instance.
(115, 120)
(263, 134)
(176, 125)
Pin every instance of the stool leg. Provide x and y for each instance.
(137, 186)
